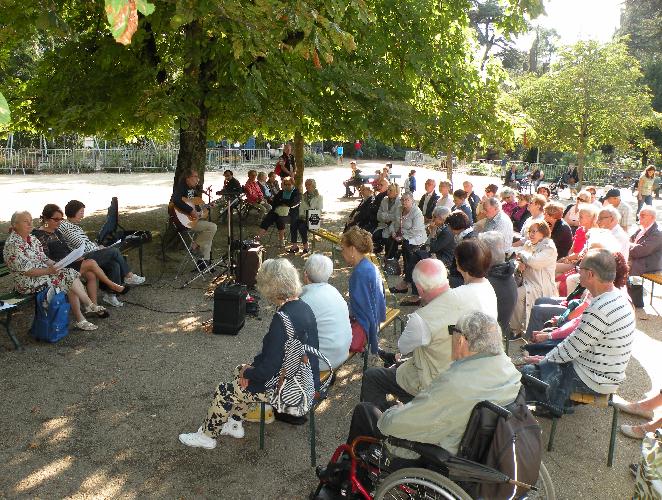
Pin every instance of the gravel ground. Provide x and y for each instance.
(97, 415)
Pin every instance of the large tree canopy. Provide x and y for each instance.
(592, 96)
(397, 69)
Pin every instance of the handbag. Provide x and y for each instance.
(51, 317)
(282, 210)
(292, 389)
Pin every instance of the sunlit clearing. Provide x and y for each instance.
(44, 474)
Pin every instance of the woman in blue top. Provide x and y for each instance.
(367, 306)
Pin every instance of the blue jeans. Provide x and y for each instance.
(645, 200)
(563, 381)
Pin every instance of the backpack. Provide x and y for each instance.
(51, 319)
(292, 389)
(511, 445)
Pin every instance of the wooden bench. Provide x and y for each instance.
(329, 236)
(653, 278)
(600, 401)
(9, 297)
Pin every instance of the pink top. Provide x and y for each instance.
(579, 240)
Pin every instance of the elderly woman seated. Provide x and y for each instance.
(284, 206)
(330, 309)
(32, 271)
(501, 277)
(278, 282)
(536, 264)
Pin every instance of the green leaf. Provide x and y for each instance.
(145, 7)
(5, 115)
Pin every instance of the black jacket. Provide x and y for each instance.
(501, 277)
(431, 204)
(182, 190)
(362, 215)
(473, 200)
(562, 237)
(269, 361)
(293, 202)
(443, 246)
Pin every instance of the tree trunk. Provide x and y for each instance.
(449, 165)
(193, 128)
(581, 159)
(298, 158)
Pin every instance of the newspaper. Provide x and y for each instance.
(72, 257)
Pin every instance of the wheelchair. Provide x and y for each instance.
(366, 469)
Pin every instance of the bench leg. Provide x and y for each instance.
(552, 433)
(313, 458)
(262, 418)
(652, 288)
(7, 324)
(612, 439)
(140, 259)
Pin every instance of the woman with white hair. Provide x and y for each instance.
(278, 282)
(311, 199)
(330, 309)
(409, 231)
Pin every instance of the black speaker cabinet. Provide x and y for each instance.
(250, 262)
(229, 309)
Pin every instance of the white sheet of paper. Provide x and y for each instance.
(73, 256)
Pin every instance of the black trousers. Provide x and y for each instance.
(364, 422)
(112, 262)
(380, 382)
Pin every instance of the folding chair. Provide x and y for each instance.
(187, 237)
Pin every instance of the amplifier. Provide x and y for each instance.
(229, 309)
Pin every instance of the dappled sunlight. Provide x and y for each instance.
(648, 352)
(104, 485)
(103, 385)
(45, 473)
(54, 431)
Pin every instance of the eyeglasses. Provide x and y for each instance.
(57, 219)
(585, 269)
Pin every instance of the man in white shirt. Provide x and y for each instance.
(446, 198)
(425, 337)
(609, 218)
(613, 198)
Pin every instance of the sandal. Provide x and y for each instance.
(125, 290)
(100, 311)
(85, 325)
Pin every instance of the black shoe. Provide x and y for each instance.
(290, 419)
(125, 290)
(387, 357)
(393, 289)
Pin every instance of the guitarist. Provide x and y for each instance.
(188, 187)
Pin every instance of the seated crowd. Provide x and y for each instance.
(481, 269)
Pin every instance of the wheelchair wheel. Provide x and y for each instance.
(544, 485)
(415, 483)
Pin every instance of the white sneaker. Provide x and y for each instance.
(198, 440)
(111, 300)
(134, 279)
(233, 428)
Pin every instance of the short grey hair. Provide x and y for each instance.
(650, 209)
(278, 280)
(505, 192)
(611, 210)
(429, 274)
(482, 333)
(318, 268)
(16, 215)
(440, 211)
(407, 195)
(495, 242)
(493, 202)
(602, 263)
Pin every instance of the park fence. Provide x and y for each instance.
(78, 160)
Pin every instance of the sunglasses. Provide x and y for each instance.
(57, 219)
(453, 329)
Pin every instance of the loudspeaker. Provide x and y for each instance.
(250, 260)
(229, 309)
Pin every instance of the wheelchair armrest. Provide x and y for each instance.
(499, 410)
(436, 455)
(530, 380)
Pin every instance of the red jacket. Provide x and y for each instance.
(253, 192)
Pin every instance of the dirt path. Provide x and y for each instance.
(97, 415)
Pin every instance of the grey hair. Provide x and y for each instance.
(278, 280)
(429, 274)
(440, 211)
(649, 209)
(318, 268)
(602, 263)
(16, 215)
(495, 242)
(589, 209)
(408, 196)
(493, 202)
(482, 333)
(612, 211)
(507, 192)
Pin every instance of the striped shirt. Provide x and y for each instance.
(600, 347)
(75, 236)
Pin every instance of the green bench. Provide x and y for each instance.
(10, 297)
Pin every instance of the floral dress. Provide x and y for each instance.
(21, 256)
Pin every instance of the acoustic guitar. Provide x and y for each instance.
(186, 220)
